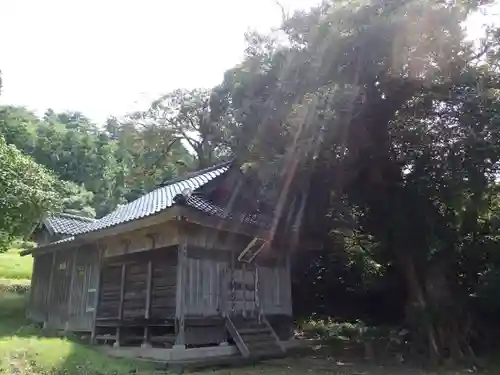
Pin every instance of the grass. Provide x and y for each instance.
(13, 266)
(25, 349)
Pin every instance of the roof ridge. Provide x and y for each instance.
(72, 216)
(194, 174)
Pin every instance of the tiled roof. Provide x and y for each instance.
(211, 209)
(158, 199)
(66, 224)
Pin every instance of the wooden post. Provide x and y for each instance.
(120, 306)
(100, 257)
(33, 288)
(258, 306)
(180, 305)
(147, 312)
(244, 287)
(71, 286)
(288, 282)
(49, 293)
(232, 283)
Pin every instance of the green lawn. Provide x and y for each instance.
(14, 266)
(25, 349)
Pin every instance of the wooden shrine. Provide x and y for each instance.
(182, 273)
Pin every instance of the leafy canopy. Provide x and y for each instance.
(27, 191)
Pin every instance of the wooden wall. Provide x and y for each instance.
(39, 292)
(42, 236)
(139, 285)
(207, 290)
(275, 289)
(210, 238)
(83, 289)
(145, 239)
(206, 293)
(62, 284)
(204, 273)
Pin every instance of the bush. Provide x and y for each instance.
(326, 329)
(14, 286)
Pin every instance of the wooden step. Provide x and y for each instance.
(253, 331)
(250, 325)
(261, 339)
(254, 338)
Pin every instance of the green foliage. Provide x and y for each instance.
(328, 329)
(98, 169)
(76, 199)
(376, 125)
(27, 191)
(187, 116)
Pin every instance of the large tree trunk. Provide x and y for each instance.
(450, 316)
(417, 313)
(438, 322)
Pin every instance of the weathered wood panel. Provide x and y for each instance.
(134, 298)
(84, 289)
(203, 286)
(60, 289)
(275, 289)
(42, 236)
(39, 291)
(109, 291)
(210, 238)
(146, 239)
(240, 293)
(163, 288)
(204, 272)
(136, 304)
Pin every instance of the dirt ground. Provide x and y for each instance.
(321, 363)
(328, 366)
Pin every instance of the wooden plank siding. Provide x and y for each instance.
(200, 304)
(163, 288)
(84, 289)
(132, 301)
(60, 289)
(275, 290)
(208, 290)
(134, 282)
(203, 288)
(39, 292)
(60, 284)
(157, 236)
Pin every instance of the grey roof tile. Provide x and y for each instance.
(162, 198)
(211, 209)
(157, 200)
(66, 224)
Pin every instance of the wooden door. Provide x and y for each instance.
(242, 282)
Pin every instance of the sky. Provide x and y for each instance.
(110, 57)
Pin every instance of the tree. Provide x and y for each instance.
(27, 191)
(76, 199)
(187, 116)
(353, 107)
